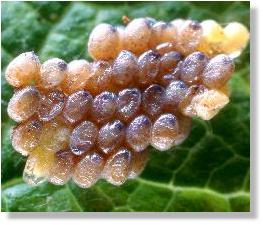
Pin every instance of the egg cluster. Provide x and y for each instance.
(185, 36)
(90, 120)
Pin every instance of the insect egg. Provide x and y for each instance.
(38, 166)
(117, 167)
(98, 70)
(149, 64)
(128, 103)
(25, 136)
(162, 32)
(88, 170)
(83, 137)
(139, 161)
(137, 36)
(206, 104)
(178, 23)
(174, 94)
(153, 100)
(23, 70)
(218, 71)
(192, 67)
(77, 76)
(168, 62)
(164, 132)
(23, 104)
(213, 38)
(54, 136)
(111, 135)
(103, 107)
(138, 133)
(61, 169)
(103, 42)
(124, 68)
(189, 37)
(212, 31)
(52, 73)
(77, 106)
(51, 105)
(237, 36)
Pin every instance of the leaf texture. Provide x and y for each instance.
(209, 172)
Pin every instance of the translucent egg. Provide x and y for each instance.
(52, 73)
(162, 32)
(128, 103)
(124, 68)
(111, 135)
(153, 100)
(106, 82)
(25, 136)
(77, 76)
(103, 107)
(206, 104)
(99, 68)
(138, 133)
(164, 132)
(192, 67)
(117, 167)
(178, 23)
(88, 170)
(139, 161)
(175, 92)
(103, 42)
(137, 36)
(212, 31)
(51, 105)
(23, 104)
(61, 170)
(77, 106)
(149, 64)
(218, 71)
(189, 37)
(38, 165)
(169, 62)
(237, 36)
(54, 136)
(23, 70)
(83, 137)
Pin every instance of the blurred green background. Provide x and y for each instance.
(209, 172)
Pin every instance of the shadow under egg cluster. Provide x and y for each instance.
(90, 120)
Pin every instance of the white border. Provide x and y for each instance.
(255, 217)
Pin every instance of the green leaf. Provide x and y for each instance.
(209, 172)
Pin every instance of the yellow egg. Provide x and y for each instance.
(38, 166)
(212, 37)
(237, 36)
(212, 31)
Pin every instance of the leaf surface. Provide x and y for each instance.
(209, 172)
